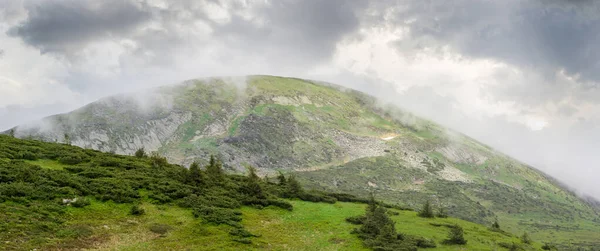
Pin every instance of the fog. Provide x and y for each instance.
(519, 76)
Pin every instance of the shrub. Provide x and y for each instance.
(140, 153)
(390, 212)
(81, 202)
(548, 246)
(161, 229)
(442, 213)
(281, 204)
(356, 220)
(292, 188)
(158, 160)
(314, 197)
(27, 155)
(510, 246)
(425, 243)
(70, 159)
(75, 231)
(242, 240)
(344, 197)
(219, 215)
(495, 225)
(525, 239)
(241, 232)
(136, 210)
(455, 236)
(426, 211)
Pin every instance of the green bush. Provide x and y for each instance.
(136, 210)
(281, 204)
(426, 211)
(161, 229)
(217, 215)
(75, 231)
(240, 232)
(356, 220)
(525, 239)
(548, 246)
(27, 155)
(510, 246)
(71, 159)
(455, 236)
(140, 153)
(81, 202)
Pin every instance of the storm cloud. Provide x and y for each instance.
(67, 26)
(521, 76)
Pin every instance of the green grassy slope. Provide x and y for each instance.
(35, 177)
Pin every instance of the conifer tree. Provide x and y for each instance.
(293, 188)
(456, 236)
(214, 169)
(252, 187)
(495, 225)
(426, 211)
(11, 133)
(67, 139)
(140, 153)
(442, 213)
(195, 174)
(281, 179)
(525, 238)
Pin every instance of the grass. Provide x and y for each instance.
(310, 226)
(48, 164)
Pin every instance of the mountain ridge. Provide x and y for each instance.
(333, 138)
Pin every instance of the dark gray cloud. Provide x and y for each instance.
(66, 26)
(540, 35)
(309, 29)
(299, 31)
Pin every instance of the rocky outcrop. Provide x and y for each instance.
(461, 154)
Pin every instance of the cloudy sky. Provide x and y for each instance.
(521, 76)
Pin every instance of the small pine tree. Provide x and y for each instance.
(442, 213)
(496, 225)
(281, 179)
(456, 236)
(293, 188)
(11, 133)
(196, 177)
(525, 239)
(548, 246)
(67, 139)
(214, 169)
(158, 160)
(137, 210)
(140, 153)
(252, 187)
(426, 211)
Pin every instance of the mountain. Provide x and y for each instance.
(333, 139)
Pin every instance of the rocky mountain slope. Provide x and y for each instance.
(334, 139)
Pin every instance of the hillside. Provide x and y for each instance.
(333, 139)
(60, 197)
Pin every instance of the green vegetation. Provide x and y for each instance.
(455, 236)
(130, 203)
(426, 211)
